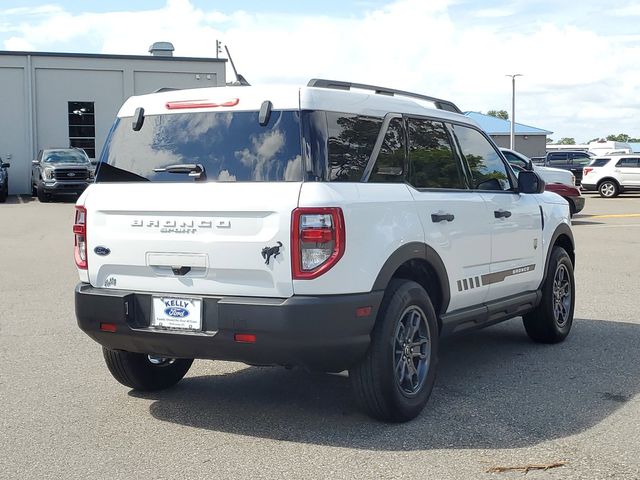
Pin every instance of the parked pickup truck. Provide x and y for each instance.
(572, 160)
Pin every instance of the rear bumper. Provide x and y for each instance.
(589, 187)
(319, 333)
(578, 203)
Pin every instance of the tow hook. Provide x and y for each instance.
(268, 252)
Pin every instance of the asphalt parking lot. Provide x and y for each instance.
(499, 400)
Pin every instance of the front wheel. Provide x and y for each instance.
(394, 380)
(551, 320)
(145, 372)
(43, 196)
(4, 193)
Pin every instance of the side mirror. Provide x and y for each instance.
(530, 182)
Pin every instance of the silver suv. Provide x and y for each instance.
(612, 175)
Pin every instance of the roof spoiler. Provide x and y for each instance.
(340, 85)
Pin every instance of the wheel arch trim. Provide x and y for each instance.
(416, 251)
(561, 230)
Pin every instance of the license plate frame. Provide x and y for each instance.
(177, 313)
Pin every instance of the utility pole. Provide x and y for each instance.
(513, 109)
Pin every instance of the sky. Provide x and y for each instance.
(579, 60)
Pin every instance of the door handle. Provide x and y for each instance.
(502, 213)
(439, 217)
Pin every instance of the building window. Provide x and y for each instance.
(82, 127)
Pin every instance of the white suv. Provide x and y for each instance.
(612, 175)
(335, 227)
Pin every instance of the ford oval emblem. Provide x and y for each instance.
(176, 312)
(102, 251)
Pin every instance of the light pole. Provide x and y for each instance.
(513, 108)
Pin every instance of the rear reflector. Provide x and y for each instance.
(244, 338)
(363, 311)
(108, 327)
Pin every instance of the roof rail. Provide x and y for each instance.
(340, 85)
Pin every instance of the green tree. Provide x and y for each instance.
(566, 141)
(621, 137)
(549, 140)
(499, 114)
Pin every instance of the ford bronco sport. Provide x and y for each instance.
(335, 227)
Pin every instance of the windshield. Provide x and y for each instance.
(64, 156)
(229, 146)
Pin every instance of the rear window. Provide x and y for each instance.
(230, 146)
(599, 162)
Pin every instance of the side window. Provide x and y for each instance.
(390, 164)
(351, 139)
(487, 168)
(627, 162)
(558, 158)
(433, 163)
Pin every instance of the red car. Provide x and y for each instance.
(570, 194)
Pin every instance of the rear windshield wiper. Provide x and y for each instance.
(193, 169)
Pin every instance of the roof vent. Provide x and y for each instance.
(161, 49)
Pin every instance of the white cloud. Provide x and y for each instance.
(573, 73)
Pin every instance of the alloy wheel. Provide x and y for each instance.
(561, 295)
(412, 350)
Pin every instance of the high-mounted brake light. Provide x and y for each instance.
(80, 238)
(317, 241)
(183, 104)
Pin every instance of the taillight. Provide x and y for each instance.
(317, 241)
(586, 170)
(80, 236)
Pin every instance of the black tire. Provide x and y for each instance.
(34, 191)
(551, 321)
(136, 370)
(4, 193)
(43, 196)
(384, 384)
(608, 189)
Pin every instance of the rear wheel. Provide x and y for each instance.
(608, 189)
(145, 372)
(4, 193)
(551, 321)
(394, 380)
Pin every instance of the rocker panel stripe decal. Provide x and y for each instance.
(489, 278)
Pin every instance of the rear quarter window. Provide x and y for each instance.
(350, 142)
(599, 162)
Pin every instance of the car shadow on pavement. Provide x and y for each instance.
(495, 389)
